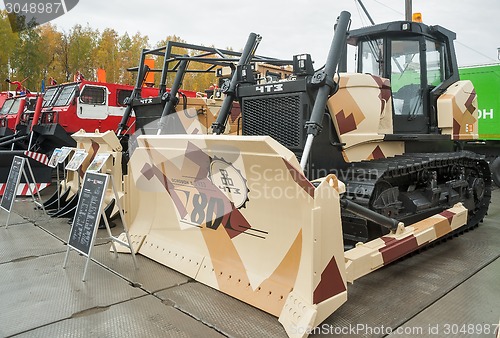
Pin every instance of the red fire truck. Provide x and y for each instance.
(47, 120)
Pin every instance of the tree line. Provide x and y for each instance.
(44, 52)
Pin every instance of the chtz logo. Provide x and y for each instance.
(227, 183)
(146, 101)
(24, 14)
(230, 181)
(271, 88)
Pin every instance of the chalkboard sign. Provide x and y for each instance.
(12, 183)
(88, 212)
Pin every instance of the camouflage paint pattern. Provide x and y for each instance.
(373, 151)
(458, 112)
(197, 116)
(367, 257)
(237, 214)
(362, 114)
(217, 208)
(202, 109)
(264, 69)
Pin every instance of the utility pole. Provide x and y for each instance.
(408, 10)
(366, 12)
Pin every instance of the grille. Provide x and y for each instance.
(276, 116)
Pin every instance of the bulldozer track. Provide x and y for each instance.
(367, 180)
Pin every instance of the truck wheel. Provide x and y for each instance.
(495, 171)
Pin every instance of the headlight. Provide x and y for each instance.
(50, 117)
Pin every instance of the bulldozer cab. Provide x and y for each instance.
(419, 61)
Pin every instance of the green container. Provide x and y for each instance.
(486, 81)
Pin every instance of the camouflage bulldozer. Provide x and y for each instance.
(332, 176)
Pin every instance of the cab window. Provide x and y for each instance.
(65, 96)
(6, 106)
(372, 57)
(93, 95)
(31, 104)
(405, 77)
(49, 96)
(435, 63)
(121, 95)
(15, 106)
(405, 64)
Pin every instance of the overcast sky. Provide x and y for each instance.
(287, 27)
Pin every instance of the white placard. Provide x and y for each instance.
(77, 160)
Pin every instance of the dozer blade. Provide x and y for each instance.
(108, 143)
(110, 212)
(68, 210)
(60, 194)
(237, 214)
(94, 144)
(42, 173)
(69, 193)
(51, 136)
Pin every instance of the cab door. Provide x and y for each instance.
(407, 84)
(93, 102)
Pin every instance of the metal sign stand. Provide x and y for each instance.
(64, 160)
(125, 227)
(100, 213)
(58, 159)
(40, 204)
(13, 191)
(87, 215)
(58, 188)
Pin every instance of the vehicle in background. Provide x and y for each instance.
(70, 107)
(48, 120)
(4, 96)
(11, 109)
(486, 80)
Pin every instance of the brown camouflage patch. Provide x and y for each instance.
(85, 164)
(385, 91)
(444, 227)
(397, 248)
(448, 214)
(469, 103)
(235, 113)
(331, 283)
(345, 124)
(377, 153)
(300, 179)
(456, 129)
